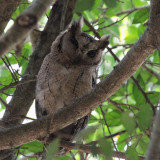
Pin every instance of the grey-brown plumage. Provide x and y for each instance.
(68, 73)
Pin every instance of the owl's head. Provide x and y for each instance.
(75, 47)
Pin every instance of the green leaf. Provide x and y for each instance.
(145, 116)
(86, 132)
(128, 121)
(83, 5)
(52, 149)
(110, 3)
(131, 154)
(34, 146)
(141, 30)
(113, 118)
(122, 141)
(106, 148)
(138, 96)
(20, 8)
(154, 97)
(94, 150)
(131, 36)
(141, 16)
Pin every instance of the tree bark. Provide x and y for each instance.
(7, 8)
(24, 24)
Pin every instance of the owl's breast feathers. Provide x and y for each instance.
(68, 73)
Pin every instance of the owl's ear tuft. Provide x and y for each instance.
(77, 25)
(104, 41)
(105, 38)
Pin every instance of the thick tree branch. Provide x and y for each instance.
(39, 128)
(23, 24)
(7, 8)
(154, 22)
(154, 147)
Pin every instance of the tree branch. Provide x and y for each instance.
(151, 71)
(17, 83)
(154, 147)
(38, 128)
(23, 25)
(132, 10)
(87, 149)
(6, 11)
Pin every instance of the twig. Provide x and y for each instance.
(9, 69)
(136, 83)
(122, 45)
(132, 10)
(10, 66)
(87, 149)
(115, 104)
(4, 103)
(103, 114)
(113, 23)
(107, 137)
(23, 25)
(151, 71)
(123, 104)
(17, 83)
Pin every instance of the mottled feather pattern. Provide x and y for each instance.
(68, 73)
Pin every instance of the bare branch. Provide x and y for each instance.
(132, 10)
(23, 25)
(4, 14)
(17, 83)
(151, 71)
(4, 103)
(87, 149)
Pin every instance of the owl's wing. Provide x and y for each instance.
(40, 111)
(74, 128)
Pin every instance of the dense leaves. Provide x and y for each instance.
(130, 109)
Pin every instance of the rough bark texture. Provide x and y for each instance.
(154, 148)
(24, 94)
(7, 8)
(154, 23)
(23, 25)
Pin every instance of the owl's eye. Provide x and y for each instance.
(74, 42)
(91, 53)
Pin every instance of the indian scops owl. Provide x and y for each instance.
(68, 73)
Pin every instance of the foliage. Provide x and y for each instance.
(130, 109)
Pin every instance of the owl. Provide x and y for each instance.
(68, 73)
